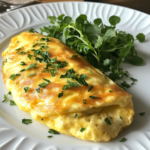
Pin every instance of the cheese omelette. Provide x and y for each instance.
(63, 91)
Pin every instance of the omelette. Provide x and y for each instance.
(63, 91)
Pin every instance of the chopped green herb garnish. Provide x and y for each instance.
(45, 39)
(26, 121)
(12, 102)
(22, 70)
(60, 94)
(52, 71)
(93, 97)
(22, 53)
(26, 89)
(84, 101)
(90, 88)
(34, 65)
(110, 117)
(120, 117)
(50, 136)
(38, 44)
(69, 74)
(53, 131)
(38, 90)
(5, 98)
(142, 113)
(110, 91)
(82, 129)
(9, 93)
(125, 84)
(54, 60)
(44, 84)
(133, 80)
(32, 31)
(107, 121)
(48, 81)
(76, 115)
(18, 48)
(22, 63)
(71, 84)
(123, 140)
(73, 56)
(31, 74)
(29, 56)
(90, 70)
(13, 76)
(39, 59)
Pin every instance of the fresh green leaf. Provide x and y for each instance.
(26, 89)
(82, 129)
(32, 31)
(90, 88)
(141, 37)
(125, 84)
(123, 140)
(12, 102)
(71, 84)
(26, 121)
(106, 62)
(52, 131)
(98, 21)
(60, 94)
(113, 20)
(107, 121)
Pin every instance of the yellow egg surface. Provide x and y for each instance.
(63, 91)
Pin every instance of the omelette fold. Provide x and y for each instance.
(63, 91)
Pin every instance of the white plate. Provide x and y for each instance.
(16, 136)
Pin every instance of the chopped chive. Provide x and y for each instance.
(60, 94)
(76, 115)
(31, 74)
(5, 98)
(50, 136)
(82, 129)
(120, 117)
(29, 56)
(46, 80)
(123, 140)
(93, 97)
(90, 88)
(142, 113)
(22, 63)
(22, 70)
(38, 90)
(110, 91)
(26, 121)
(44, 84)
(12, 102)
(26, 89)
(73, 56)
(107, 121)
(90, 70)
(53, 131)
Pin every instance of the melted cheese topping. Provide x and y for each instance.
(46, 104)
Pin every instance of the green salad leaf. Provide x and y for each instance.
(103, 46)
